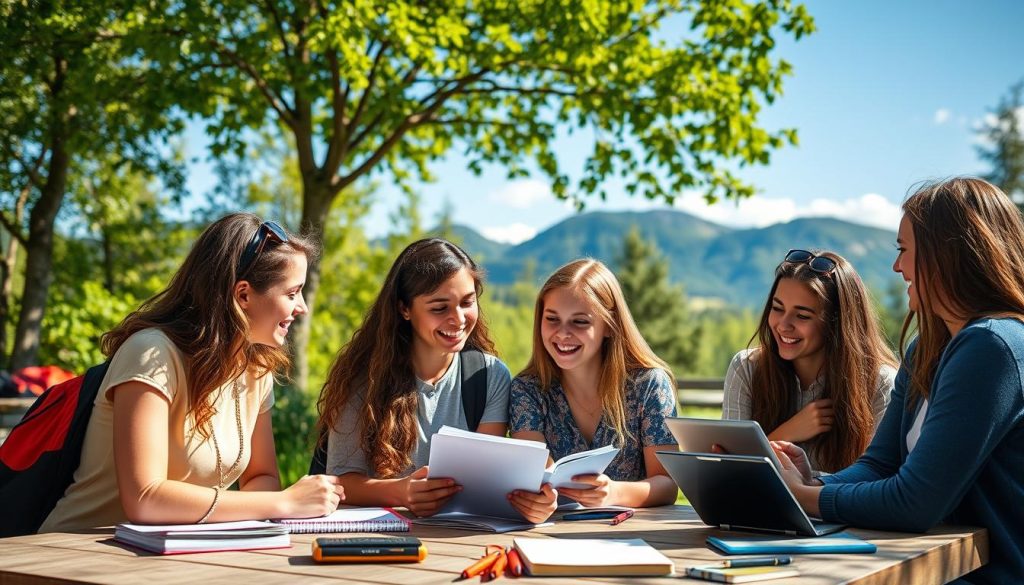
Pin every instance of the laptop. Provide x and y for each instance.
(737, 437)
(740, 492)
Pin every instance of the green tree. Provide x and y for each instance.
(385, 87)
(74, 85)
(1004, 145)
(659, 308)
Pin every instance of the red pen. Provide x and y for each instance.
(622, 517)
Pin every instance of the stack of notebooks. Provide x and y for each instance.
(252, 534)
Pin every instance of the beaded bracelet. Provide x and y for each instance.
(216, 498)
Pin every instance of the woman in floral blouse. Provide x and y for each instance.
(593, 381)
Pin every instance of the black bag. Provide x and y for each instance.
(39, 457)
(474, 401)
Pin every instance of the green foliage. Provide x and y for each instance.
(391, 85)
(74, 324)
(294, 432)
(724, 331)
(1003, 146)
(659, 308)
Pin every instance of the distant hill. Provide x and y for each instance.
(710, 260)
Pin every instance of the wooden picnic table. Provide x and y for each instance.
(941, 555)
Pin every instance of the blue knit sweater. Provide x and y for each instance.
(968, 465)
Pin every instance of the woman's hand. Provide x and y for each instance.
(805, 489)
(424, 497)
(797, 457)
(535, 507)
(602, 494)
(811, 421)
(313, 496)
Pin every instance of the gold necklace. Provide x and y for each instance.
(236, 390)
(573, 400)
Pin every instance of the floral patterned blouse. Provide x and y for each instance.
(650, 398)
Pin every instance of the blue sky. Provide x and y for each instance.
(884, 94)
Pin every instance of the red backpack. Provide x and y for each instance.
(39, 457)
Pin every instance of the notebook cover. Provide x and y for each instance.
(833, 543)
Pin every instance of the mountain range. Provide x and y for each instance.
(735, 266)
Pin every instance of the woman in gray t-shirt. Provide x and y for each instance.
(398, 380)
(822, 373)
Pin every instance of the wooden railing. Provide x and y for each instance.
(704, 392)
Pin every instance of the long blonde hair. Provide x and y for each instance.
(623, 351)
(969, 261)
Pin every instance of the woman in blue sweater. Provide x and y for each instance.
(950, 447)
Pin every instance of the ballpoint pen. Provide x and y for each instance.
(756, 562)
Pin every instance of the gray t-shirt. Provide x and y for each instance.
(737, 403)
(439, 405)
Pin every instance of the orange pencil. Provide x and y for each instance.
(498, 568)
(480, 566)
(515, 565)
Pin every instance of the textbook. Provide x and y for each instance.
(589, 557)
(172, 539)
(832, 543)
(488, 468)
(350, 520)
(740, 574)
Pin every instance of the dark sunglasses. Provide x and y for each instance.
(819, 264)
(268, 230)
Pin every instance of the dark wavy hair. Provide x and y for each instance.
(376, 365)
(198, 312)
(855, 350)
(969, 262)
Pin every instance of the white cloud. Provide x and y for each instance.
(509, 234)
(523, 193)
(942, 115)
(868, 209)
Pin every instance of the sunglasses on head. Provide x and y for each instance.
(268, 230)
(819, 264)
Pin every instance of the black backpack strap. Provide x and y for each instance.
(318, 465)
(474, 386)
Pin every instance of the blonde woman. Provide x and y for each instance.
(593, 381)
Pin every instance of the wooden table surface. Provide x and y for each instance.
(941, 555)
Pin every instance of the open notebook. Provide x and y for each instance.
(350, 520)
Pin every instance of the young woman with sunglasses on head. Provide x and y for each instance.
(951, 445)
(822, 372)
(593, 381)
(399, 380)
(184, 409)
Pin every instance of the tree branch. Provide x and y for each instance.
(272, 8)
(370, 79)
(282, 109)
(339, 99)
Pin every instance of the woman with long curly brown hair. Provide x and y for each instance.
(398, 381)
(184, 409)
(821, 373)
(951, 445)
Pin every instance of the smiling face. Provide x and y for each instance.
(443, 319)
(272, 311)
(796, 323)
(904, 264)
(572, 334)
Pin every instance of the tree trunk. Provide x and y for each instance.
(7, 266)
(317, 198)
(39, 253)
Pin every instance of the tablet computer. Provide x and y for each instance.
(737, 492)
(737, 437)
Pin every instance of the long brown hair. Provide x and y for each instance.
(854, 349)
(623, 351)
(969, 262)
(376, 365)
(198, 312)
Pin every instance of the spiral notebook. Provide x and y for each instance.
(350, 520)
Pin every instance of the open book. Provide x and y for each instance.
(216, 536)
(587, 557)
(488, 468)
